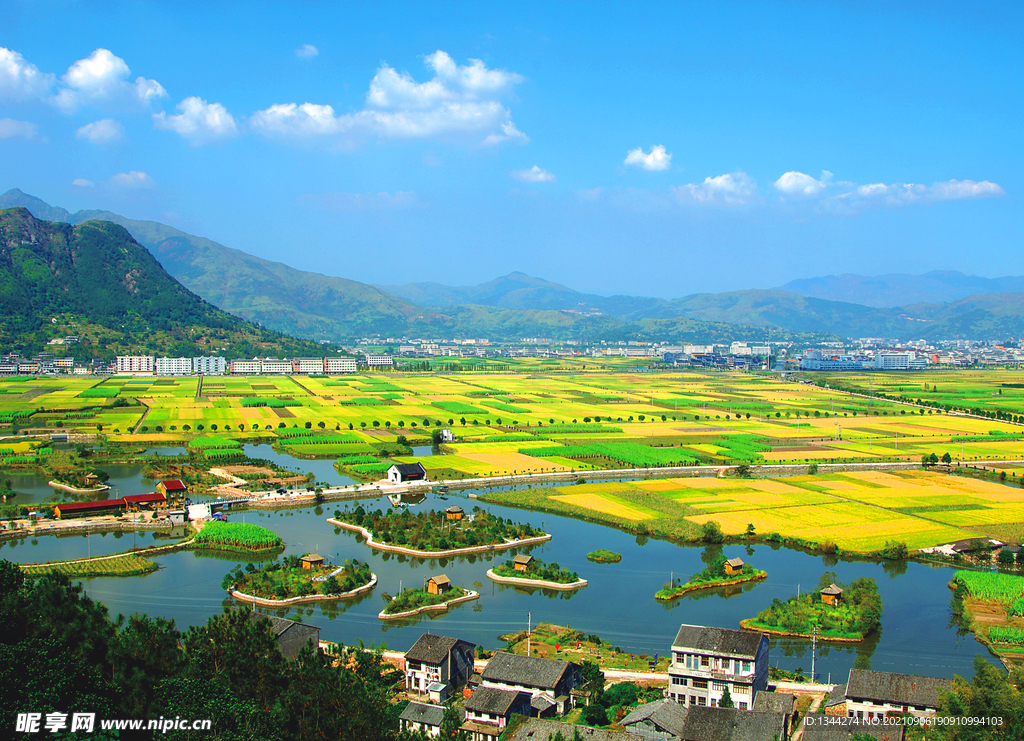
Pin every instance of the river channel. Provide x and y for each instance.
(618, 604)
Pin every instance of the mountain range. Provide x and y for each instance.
(935, 305)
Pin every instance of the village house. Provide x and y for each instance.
(171, 488)
(870, 695)
(521, 562)
(136, 502)
(662, 720)
(831, 595)
(313, 561)
(421, 716)
(399, 473)
(536, 729)
(782, 703)
(488, 711)
(734, 566)
(550, 683)
(438, 659)
(290, 635)
(438, 584)
(454, 513)
(89, 509)
(731, 724)
(706, 661)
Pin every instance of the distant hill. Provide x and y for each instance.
(521, 291)
(517, 305)
(900, 289)
(95, 281)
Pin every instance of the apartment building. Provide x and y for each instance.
(173, 366)
(135, 364)
(335, 366)
(275, 367)
(245, 367)
(379, 361)
(209, 366)
(706, 661)
(308, 366)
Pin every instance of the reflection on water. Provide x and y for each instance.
(324, 471)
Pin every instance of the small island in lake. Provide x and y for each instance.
(720, 572)
(603, 556)
(437, 530)
(436, 594)
(840, 613)
(529, 569)
(308, 576)
(236, 536)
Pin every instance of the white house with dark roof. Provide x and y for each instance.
(488, 711)
(731, 724)
(706, 661)
(438, 659)
(870, 695)
(778, 702)
(421, 716)
(544, 679)
(401, 472)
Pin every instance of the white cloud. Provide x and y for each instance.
(905, 194)
(534, 175)
(82, 183)
(132, 179)
(363, 201)
(102, 131)
(100, 78)
(798, 184)
(732, 189)
(306, 51)
(20, 79)
(199, 122)
(459, 101)
(13, 129)
(656, 161)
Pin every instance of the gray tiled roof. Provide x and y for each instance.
(774, 702)
(837, 696)
(536, 729)
(667, 715)
(421, 712)
(718, 640)
(898, 689)
(731, 724)
(527, 671)
(835, 732)
(491, 700)
(278, 625)
(407, 468)
(432, 649)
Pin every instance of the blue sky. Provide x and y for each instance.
(654, 149)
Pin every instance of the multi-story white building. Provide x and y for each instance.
(379, 361)
(135, 364)
(892, 361)
(435, 659)
(275, 367)
(173, 366)
(308, 366)
(212, 365)
(706, 661)
(335, 366)
(245, 367)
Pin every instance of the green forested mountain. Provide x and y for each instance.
(95, 281)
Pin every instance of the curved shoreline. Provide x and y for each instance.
(72, 490)
(745, 624)
(579, 584)
(442, 607)
(437, 554)
(141, 552)
(263, 602)
(712, 585)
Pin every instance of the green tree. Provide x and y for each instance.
(726, 701)
(451, 725)
(711, 532)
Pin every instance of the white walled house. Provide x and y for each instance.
(438, 659)
(707, 660)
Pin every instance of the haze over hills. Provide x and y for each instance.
(93, 280)
(517, 305)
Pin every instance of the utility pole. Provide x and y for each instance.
(814, 644)
(529, 630)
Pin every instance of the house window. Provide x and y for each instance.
(704, 661)
(702, 701)
(701, 684)
(718, 686)
(693, 699)
(746, 666)
(714, 702)
(679, 680)
(743, 706)
(740, 689)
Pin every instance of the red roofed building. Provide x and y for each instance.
(172, 488)
(86, 509)
(151, 500)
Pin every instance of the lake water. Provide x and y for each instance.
(618, 604)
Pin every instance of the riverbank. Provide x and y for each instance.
(494, 547)
(72, 490)
(249, 599)
(440, 607)
(540, 583)
(694, 587)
